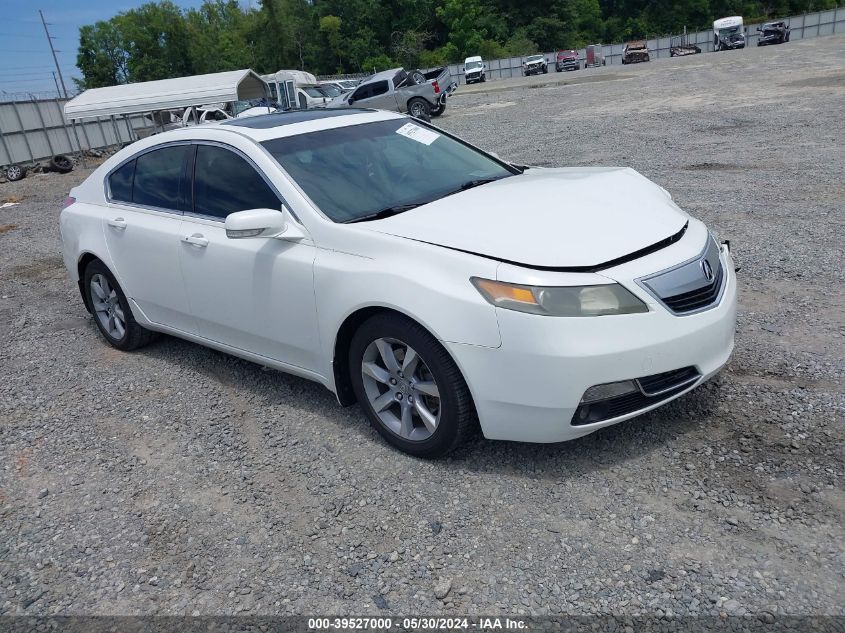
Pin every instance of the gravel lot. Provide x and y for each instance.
(178, 480)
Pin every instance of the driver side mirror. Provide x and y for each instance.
(758, 28)
(264, 223)
(350, 100)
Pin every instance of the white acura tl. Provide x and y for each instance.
(435, 284)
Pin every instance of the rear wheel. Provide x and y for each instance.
(111, 309)
(409, 387)
(419, 108)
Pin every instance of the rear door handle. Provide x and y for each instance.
(196, 240)
(117, 223)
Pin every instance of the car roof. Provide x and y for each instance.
(265, 127)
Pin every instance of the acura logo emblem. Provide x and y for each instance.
(707, 269)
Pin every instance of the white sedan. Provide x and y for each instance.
(435, 284)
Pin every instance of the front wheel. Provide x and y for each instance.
(409, 386)
(111, 309)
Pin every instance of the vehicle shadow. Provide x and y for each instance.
(606, 448)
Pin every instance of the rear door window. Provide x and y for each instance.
(120, 182)
(379, 88)
(158, 177)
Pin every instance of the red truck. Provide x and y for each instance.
(567, 60)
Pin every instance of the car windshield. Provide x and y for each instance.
(473, 65)
(331, 91)
(566, 54)
(731, 30)
(535, 58)
(314, 92)
(358, 171)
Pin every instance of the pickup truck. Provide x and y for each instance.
(567, 60)
(420, 94)
(534, 65)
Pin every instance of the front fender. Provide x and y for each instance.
(429, 284)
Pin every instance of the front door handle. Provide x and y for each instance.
(196, 240)
(117, 223)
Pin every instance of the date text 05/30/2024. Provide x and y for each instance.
(422, 623)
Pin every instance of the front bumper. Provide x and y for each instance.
(530, 388)
(568, 64)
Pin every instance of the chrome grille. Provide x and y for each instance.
(696, 299)
(692, 286)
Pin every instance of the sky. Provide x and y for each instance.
(26, 60)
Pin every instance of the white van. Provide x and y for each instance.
(728, 33)
(474, 70)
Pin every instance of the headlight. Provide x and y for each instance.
(571, 301)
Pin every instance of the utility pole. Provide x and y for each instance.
(56, 81)
(53, 50)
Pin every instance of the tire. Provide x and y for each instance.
(545, 70)
(133, 335)
(15, 172)
(417, 77)
(440, 109)
(455, 415)
(61, 164)
(419, 108)
(483, 78)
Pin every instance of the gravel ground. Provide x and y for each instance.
(178, 480)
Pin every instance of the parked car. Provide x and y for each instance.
(567, 60)
(534, 65)
(474, 70)
(382, 257)
(773, 33)
(728, 33)
(595, 56)
(417, 93)
(340, 86)
(635, 52)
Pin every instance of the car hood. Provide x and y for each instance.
(547, 218)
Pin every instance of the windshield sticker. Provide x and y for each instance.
(418, 134)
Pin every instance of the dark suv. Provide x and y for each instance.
(773, 33)
(567, 60)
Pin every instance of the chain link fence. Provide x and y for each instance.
(803, 27)
(33, 127)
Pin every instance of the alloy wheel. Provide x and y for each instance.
(401, 389)
(107, 308)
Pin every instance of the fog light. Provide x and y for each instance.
(609, 390)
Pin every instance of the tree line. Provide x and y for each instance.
(159, 40)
